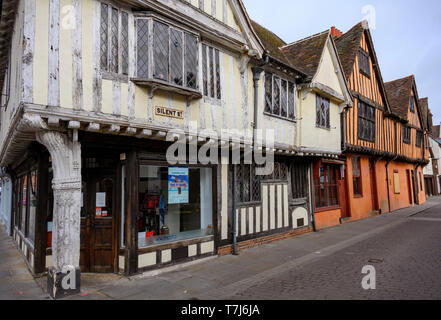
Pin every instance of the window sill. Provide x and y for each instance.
(162, 85)
(324, 128)
(280, 117)
(358, 196)
(115, 76)
(319, 210)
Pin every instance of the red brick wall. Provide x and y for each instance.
(222, 251)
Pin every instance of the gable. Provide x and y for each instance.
(326, 73)
(414, 117)
(369, 86)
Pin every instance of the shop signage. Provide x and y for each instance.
(169, 112)
(178, 185)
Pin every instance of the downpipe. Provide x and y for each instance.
(235, 251)
(311, 177)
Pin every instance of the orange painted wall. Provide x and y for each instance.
(359, 207)
(326, 219)
(397, 200)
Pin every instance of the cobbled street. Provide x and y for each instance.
(403, 247)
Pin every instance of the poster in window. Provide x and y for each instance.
(178, 185)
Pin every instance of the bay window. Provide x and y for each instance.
(166, 53)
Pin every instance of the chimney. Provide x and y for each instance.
(335, 32)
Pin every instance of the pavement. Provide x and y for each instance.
(402, 246)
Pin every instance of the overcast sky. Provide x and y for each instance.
(407, 34)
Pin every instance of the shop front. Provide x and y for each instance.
(330, 207)
(139, 213)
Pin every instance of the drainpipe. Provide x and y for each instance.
(418, 186)
(311, 177)
(235, 252)
(257, 71)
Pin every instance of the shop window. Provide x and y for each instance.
(366, 122)
(322, 112)
(279, 97)
(174, 54)
(24, 204)
(299, 180)
(32, 206)
(325, 184)
(211, 72)
(175, 203)
(356, 176)
(114, 31)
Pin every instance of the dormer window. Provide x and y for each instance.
(363, 61)
(166, 54)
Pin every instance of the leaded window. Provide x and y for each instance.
(211, 72)
(299, 179)
(419, 138)
(114, 37)
(176, 51)
(407, 131)
(366, 122)
(173, 53)
(248, 184)
(412, 104)
(363, 61)
(322, 112)
(279, 97)
(142, 28)
(160, 50)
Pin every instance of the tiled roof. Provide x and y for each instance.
(305, 54)
(398, 95)
(271, 42)
(435, 132)
(348, 45)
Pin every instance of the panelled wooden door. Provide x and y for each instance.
(409, 186)
(373, 179)
(97, 222)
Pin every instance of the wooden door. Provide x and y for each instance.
(342, 193)
(414, 187)
(372, 177)
(409, 186)
(97, 223)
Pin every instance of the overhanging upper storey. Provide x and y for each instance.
(223, 22)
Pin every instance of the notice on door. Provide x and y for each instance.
(178, 185)
(100, 199)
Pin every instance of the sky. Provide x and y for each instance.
(406, 34)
